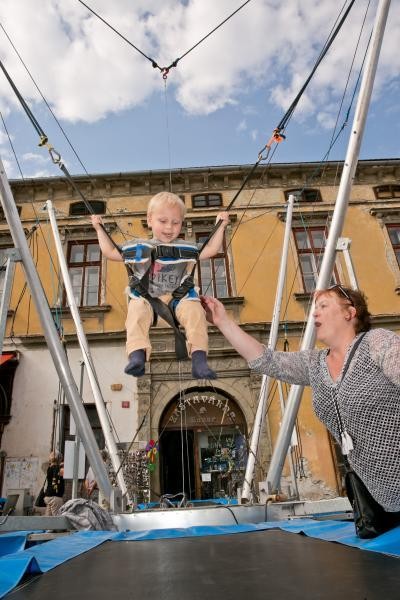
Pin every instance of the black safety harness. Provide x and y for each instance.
(140, 286)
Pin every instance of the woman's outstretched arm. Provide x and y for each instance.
(245, 344)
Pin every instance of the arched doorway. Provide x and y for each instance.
(202, 445)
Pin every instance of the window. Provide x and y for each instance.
(214, 272)
(394, 235)
(84, 265)
(94, 421)
(80, 208)
(206, 200)
(305, 195)
(387, 191)
(310, 244)
(2, 215)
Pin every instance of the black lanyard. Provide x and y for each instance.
(347, 444)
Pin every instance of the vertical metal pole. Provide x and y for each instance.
(273, 336)
(293, 442)
(77, 445)
(344, 246)
(12, 257)
(83, 343)
(55, 347)
(350, 164)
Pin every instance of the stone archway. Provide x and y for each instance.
(202, 445)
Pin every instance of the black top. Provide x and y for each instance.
(55, 482)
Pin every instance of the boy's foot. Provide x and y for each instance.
(200, 368)
(135, 366)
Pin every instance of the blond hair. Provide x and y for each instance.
(166, 199)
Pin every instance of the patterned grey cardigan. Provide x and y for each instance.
(368, 400)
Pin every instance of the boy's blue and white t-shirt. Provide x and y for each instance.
(166, 274)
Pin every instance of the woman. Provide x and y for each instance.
(54, 490)
(368, 398)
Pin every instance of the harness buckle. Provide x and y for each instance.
(166, 252)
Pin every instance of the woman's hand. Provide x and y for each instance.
(215, 310)
(245, 344)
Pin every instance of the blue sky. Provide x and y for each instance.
(221, 102)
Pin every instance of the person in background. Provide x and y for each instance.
(90, 483)
(54, 486)
(368, 398)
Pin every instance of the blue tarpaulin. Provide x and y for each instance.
(41, 558)
(13, 542)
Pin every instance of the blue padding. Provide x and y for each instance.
(13, 541)
(201, 530)
(11, 572)
(223, 501)
(333, 531)
(44, 557)
(208, 502)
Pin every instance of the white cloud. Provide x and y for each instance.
(3, 138)
(9, 167)
(254, 134)
(325, 119)
(87, 72)
(242, 126)
(33, 157)
(38, 173)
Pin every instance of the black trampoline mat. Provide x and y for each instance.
(245, 566)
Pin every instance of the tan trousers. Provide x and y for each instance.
(189, 313)
(53, 505)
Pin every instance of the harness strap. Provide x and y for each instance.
(161, 309)
(185, 287)
(143, 251)
(176, 252)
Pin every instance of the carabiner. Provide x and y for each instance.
(55, 156)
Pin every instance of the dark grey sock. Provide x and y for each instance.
(135, 366)
(200, 368)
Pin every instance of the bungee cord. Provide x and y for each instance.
(11, 144)
(44, 99)
(278, 133)
(43, 136)
(159, 308)
(276, 137)
(163, 70)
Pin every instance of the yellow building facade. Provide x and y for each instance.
(201, 429)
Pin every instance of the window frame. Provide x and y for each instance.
(3, 216)
(91, 413)
(302, 193)
(84, 265)
(314, 252)
(389, 191)
(395, 247)
(79, 209)
(207, 196)
(213, 269)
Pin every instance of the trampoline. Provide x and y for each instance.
(245, 565)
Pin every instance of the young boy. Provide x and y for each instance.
(165, 216)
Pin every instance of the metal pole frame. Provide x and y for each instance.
(349, 168)
(12, 258)
(273, 336)
(53, 342)
(87, 358)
